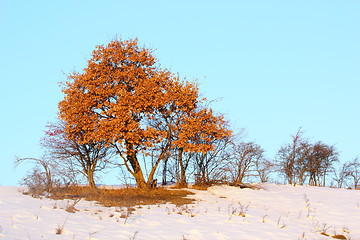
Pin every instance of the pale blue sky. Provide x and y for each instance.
(276, 65)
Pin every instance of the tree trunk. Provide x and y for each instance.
(137, 172)
(182, 180)
(164, 181)
(49, 182)
(90, 178)
(140, 181)
(136, 169)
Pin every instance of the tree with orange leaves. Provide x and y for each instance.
(125, 99)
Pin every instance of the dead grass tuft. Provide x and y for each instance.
(59, 230)
(71, 208)
(246, 185)
(339, 236)
(200, 187)
(126, 197)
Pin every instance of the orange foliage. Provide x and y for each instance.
(122, 97)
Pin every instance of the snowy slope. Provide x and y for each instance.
(222, 212)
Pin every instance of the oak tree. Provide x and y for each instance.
(124, 99)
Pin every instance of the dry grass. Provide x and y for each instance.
(196, 187)
(200, 187)
(71, 208)
(339, 236)
(246, 185)
(59, 230)
(126, 197)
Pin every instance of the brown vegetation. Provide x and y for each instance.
(339, 236)
(125, 197)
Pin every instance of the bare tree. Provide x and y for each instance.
(85, 158)
(319, 162)
(263, 167)
(301, 159)
(353, 172)
(209, 167)
(244, 156)
(290, 158)
(341, 175)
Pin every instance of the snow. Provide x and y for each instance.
(222, 212)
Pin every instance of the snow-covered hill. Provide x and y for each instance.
(222, 212)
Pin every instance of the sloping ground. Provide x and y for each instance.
(276, 212)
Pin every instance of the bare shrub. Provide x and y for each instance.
(45, 175)
(39, 179)
(34, 181)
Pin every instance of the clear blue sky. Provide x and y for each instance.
(276, 65)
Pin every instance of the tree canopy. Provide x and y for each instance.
(124, 99)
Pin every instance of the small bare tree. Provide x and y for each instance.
(341, 175)
(84, 158)
(301, 160)
(319, 162)
(289, 157)
(209, 167)
(263, 167)
(243, 159)
(353, 172)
